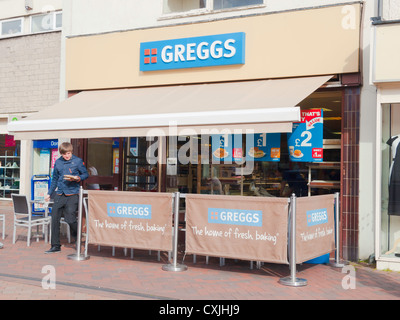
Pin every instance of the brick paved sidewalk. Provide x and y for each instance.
(104, 276)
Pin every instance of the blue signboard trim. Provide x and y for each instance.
(50, 144)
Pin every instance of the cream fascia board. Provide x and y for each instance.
(385, 62)
(290, 51)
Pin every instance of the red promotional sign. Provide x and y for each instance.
(9, 141)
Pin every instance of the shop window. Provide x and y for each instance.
(218, 164)
(100, 155)
(46, 22)
(390, 172)
(11, 27)
(140, 165)
(102, 161)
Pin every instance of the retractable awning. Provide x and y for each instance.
(262, 106)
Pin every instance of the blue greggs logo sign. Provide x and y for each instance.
(252, 218)
(206, 51)
(316, 217)
(127, 210)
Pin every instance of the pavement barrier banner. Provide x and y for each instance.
(247, 228)
(131, 219)
(315, 226)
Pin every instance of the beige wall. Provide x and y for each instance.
(386, 56)
(289, 44)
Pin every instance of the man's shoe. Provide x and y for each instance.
(53, 250)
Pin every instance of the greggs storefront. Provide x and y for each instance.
(249, 106)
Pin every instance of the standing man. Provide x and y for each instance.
(69, 171)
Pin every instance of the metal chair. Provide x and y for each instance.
(23, 217)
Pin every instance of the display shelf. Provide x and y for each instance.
(331, 143)
(220, 179)
(9, 175)
(325, 179)
(324, 184)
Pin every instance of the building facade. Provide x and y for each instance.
(314, 55)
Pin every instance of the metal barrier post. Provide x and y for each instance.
(175, 266)
(86, 206)
(337, 263)
(78, 256)
(292, 280)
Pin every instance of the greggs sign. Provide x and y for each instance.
(196, 52)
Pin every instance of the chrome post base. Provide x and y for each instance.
(77, 257)
(296, 282)
(339, 264)
(176, 268)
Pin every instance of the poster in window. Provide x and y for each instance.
(9, 141)
(263, 147)
(305, 143)
(226, 148)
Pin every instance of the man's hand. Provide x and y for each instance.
(47, 198)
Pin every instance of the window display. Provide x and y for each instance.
(390, 214)
(257, 164)
(394, 177)
(9, 166)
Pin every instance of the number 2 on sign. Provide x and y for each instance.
(305, 142)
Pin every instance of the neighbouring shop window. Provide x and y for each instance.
(9, 166)
(390, 203)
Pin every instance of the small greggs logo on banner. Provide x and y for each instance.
(316, 217)
(206, 51)
(127, 210)
(252, 218)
